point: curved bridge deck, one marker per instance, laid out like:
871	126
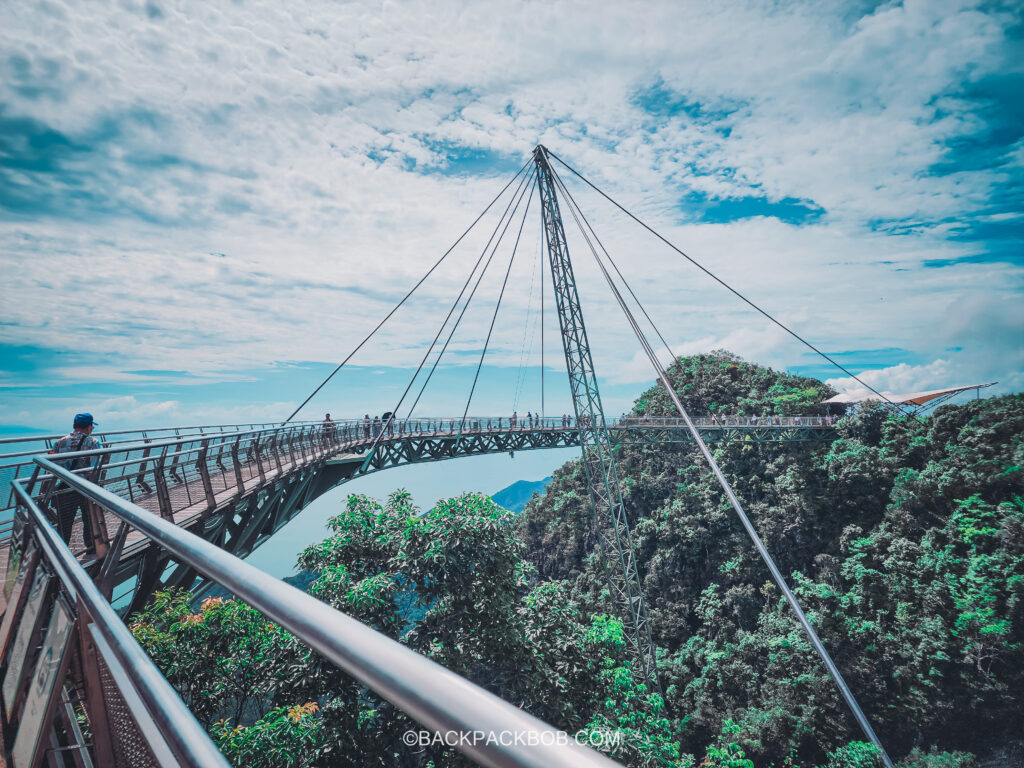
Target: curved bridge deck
236	488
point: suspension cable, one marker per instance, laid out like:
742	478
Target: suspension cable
724	284
541	266
526	347
520	191
494	317
410	293
639	304
777	576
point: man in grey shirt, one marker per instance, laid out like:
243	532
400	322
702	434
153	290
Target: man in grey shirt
68	501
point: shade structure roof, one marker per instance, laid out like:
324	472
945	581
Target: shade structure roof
908	398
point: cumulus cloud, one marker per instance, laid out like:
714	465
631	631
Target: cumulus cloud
899	379
211	187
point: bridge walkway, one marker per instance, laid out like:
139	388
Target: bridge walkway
236	489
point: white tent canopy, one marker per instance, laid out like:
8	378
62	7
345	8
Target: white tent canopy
908	398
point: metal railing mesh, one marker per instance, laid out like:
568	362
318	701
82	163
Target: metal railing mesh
126	739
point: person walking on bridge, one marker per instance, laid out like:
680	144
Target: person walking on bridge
68	501
328	430
366	426
513	419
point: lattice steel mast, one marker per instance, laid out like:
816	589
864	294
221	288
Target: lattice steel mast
613	532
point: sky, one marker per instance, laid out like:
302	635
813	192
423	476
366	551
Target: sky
204	207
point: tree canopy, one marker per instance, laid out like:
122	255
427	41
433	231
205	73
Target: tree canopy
903	538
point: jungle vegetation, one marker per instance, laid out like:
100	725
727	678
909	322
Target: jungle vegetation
903	539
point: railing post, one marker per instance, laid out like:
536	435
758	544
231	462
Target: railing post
291	447
96	519
239	482
219	461
140	477
204	474
275	452
162	496
173	469
259	461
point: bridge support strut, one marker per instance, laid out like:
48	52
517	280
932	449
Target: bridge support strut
613	534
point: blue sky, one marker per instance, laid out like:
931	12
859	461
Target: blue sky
203	207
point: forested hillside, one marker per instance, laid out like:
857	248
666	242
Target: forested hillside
905	539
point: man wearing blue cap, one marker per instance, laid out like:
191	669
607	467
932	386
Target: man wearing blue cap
69	501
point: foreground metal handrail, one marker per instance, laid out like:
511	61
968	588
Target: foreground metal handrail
439	699
185	737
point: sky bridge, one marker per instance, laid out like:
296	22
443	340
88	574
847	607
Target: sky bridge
174	508
237	487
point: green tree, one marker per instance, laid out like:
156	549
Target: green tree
452	585
902	537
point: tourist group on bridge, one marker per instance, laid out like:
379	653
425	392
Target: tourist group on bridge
386	425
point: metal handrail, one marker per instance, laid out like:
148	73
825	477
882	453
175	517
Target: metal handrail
434	696
354	435
128	446
185	737
181	431
200	427
443	425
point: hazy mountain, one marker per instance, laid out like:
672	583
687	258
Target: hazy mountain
514	497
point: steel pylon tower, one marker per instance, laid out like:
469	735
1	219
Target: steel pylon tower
613	534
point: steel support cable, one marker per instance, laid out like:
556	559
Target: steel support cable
724	284
777	576
639	304
598	452
529	336
524	353
410	293
520	192
517	195
494	317
444	324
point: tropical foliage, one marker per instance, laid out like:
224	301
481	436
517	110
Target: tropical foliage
902	537
452	585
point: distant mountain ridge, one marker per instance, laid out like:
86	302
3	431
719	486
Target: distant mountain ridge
514	497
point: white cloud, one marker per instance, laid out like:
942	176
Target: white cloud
248	131
900	379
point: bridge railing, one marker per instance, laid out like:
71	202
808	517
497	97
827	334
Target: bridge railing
197	468
116	676
65	654
190	475
134	455
194	472
718	422
17	464
114	437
